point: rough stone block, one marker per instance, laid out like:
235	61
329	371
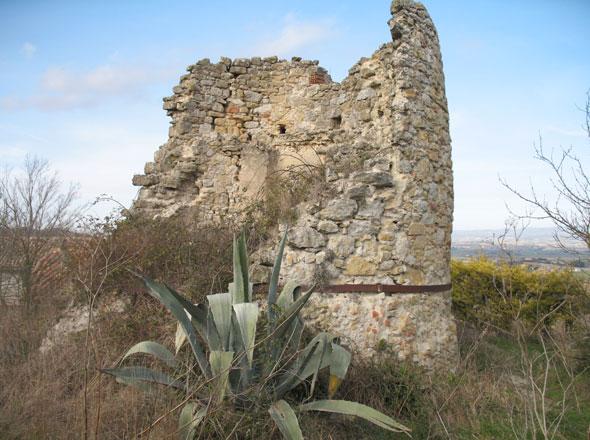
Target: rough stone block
358	192
327	227
149	168
360	266
339	209
372	209
170	182
359	228
416	229
379	179
145	180
305	237
365	94
252	96
341	245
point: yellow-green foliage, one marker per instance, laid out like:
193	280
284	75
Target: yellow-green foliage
485	291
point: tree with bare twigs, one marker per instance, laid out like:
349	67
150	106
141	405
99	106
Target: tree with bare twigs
35	210
569	209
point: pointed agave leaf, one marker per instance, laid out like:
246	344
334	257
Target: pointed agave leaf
339	362
309	362
274	282
179	338
177	307
295	333
212	334
286	420
333	385
294	376
231	288
241	374
243	253
154	349
221	362
246	317
198	312
189	420
238	284
143	386
200	317
319	360
282	302
356	409
204	327
291	313
287	345
241	285
142	374
284	325
288	295
220	305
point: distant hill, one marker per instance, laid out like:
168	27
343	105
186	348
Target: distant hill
534	244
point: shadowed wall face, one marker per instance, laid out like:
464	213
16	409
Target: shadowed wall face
379	142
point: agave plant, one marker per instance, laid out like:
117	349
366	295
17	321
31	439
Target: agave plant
234	367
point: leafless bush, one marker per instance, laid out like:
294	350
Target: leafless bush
34	211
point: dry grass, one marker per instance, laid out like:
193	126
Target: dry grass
41	395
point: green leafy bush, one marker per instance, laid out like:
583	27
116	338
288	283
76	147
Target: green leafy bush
499	293
234	365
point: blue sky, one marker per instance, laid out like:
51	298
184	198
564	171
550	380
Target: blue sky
81	83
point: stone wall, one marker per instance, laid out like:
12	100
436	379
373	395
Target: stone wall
379	141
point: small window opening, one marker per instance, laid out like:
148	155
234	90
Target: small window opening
396	33
282	129
380	113
336	121
249	137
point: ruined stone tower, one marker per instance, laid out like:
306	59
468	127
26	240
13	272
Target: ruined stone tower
378	230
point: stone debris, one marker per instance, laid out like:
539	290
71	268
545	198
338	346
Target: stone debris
75	320
380	141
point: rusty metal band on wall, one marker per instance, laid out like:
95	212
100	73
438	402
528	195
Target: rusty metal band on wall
373	288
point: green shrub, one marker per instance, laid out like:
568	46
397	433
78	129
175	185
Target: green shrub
499	293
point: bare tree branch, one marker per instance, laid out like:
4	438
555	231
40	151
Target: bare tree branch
570	211
34	211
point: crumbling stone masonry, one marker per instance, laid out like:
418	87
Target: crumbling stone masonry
380	140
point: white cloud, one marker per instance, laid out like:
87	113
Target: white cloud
296	34
116	150
100	155
102	79
28	49
10	103
63	89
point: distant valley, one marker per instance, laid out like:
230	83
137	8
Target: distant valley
534	246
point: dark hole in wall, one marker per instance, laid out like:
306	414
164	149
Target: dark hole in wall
380	113
249	137
396	32
282	129
336	121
